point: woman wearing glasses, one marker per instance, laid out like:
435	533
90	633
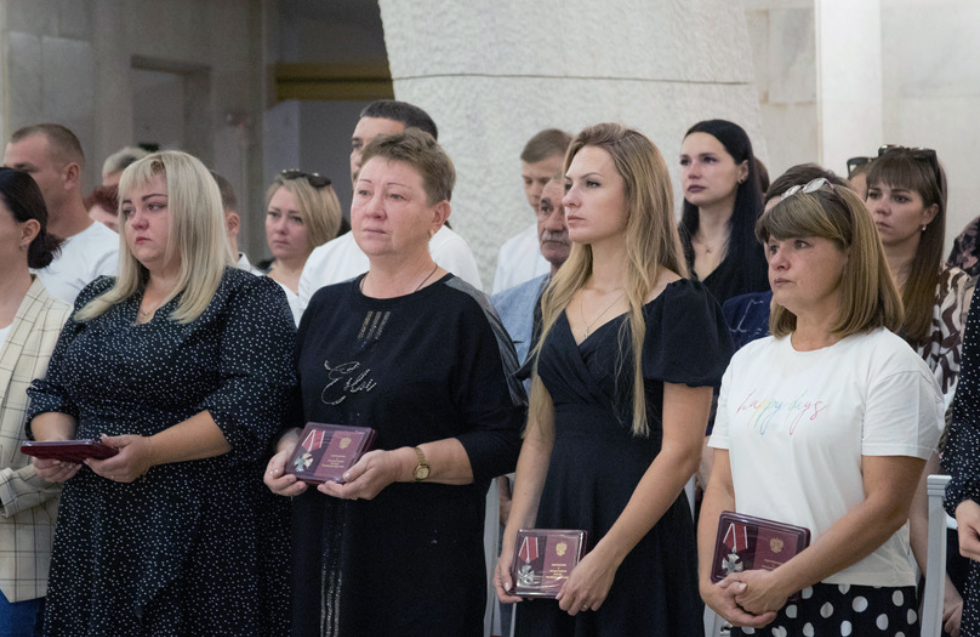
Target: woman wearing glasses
722	200
303	212
825	425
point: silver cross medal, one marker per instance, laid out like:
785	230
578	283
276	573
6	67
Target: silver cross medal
732	564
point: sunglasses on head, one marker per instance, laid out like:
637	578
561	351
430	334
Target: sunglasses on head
918	154
314	179
857	162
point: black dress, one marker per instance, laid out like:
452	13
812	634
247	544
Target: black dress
431	365
190	548
734	276
596	462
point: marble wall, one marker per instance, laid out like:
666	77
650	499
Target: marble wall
72	61
493	74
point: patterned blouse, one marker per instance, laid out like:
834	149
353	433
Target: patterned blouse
964	252
943	349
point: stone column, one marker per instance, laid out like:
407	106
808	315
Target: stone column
849	80
492	75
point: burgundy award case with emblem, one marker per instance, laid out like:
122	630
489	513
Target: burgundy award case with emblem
747	542
325	452
68	450
544	558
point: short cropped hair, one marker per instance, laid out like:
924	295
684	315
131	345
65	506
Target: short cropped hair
869	297
121	159
799	175
408	114
21	195
423	153
63	144
550	141
228	199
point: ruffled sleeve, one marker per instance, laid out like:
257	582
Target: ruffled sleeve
687	339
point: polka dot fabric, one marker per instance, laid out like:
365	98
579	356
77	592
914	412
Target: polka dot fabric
840	610
190	548
961	456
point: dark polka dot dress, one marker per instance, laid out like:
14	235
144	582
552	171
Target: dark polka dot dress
961	456
190	548
841	610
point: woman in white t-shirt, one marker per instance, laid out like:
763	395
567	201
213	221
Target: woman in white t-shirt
302	213
826	425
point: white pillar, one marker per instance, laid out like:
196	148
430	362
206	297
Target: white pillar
493	74
849	80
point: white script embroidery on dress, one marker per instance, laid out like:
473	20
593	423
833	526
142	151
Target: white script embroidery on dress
343	381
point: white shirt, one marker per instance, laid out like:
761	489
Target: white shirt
797	424
519	260
3	335
91	253
341	259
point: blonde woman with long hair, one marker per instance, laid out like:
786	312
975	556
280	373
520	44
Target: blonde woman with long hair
184	364
629	352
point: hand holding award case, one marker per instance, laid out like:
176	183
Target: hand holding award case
544	558
68	450
747	542
326	452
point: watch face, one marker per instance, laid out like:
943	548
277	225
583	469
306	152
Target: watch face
421	473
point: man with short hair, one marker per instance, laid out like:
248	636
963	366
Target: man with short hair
53	156
233	222
341	259
519	259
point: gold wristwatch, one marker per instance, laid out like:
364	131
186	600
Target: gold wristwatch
422	468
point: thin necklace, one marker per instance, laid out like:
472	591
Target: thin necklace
707	246
434	268
588	325
419	287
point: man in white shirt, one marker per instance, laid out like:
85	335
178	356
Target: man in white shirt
340	259
53	156
520	258
233	222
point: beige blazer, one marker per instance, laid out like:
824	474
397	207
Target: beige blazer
28	504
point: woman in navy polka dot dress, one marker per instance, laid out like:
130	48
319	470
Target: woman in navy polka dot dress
826	424
184	364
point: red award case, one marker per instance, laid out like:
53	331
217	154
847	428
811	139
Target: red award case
746	543
544	558
325	452
68	450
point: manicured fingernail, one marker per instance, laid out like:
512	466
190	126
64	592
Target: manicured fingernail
507	586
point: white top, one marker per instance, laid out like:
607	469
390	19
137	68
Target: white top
3	335
294	304
796	425
84	257
519	260
341	259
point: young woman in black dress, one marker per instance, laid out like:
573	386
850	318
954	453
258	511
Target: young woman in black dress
722	200
629	351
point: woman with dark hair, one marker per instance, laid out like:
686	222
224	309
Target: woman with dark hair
907	200
722	200
30	322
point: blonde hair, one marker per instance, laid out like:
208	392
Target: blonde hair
197	235
868	295
318	207
652	244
